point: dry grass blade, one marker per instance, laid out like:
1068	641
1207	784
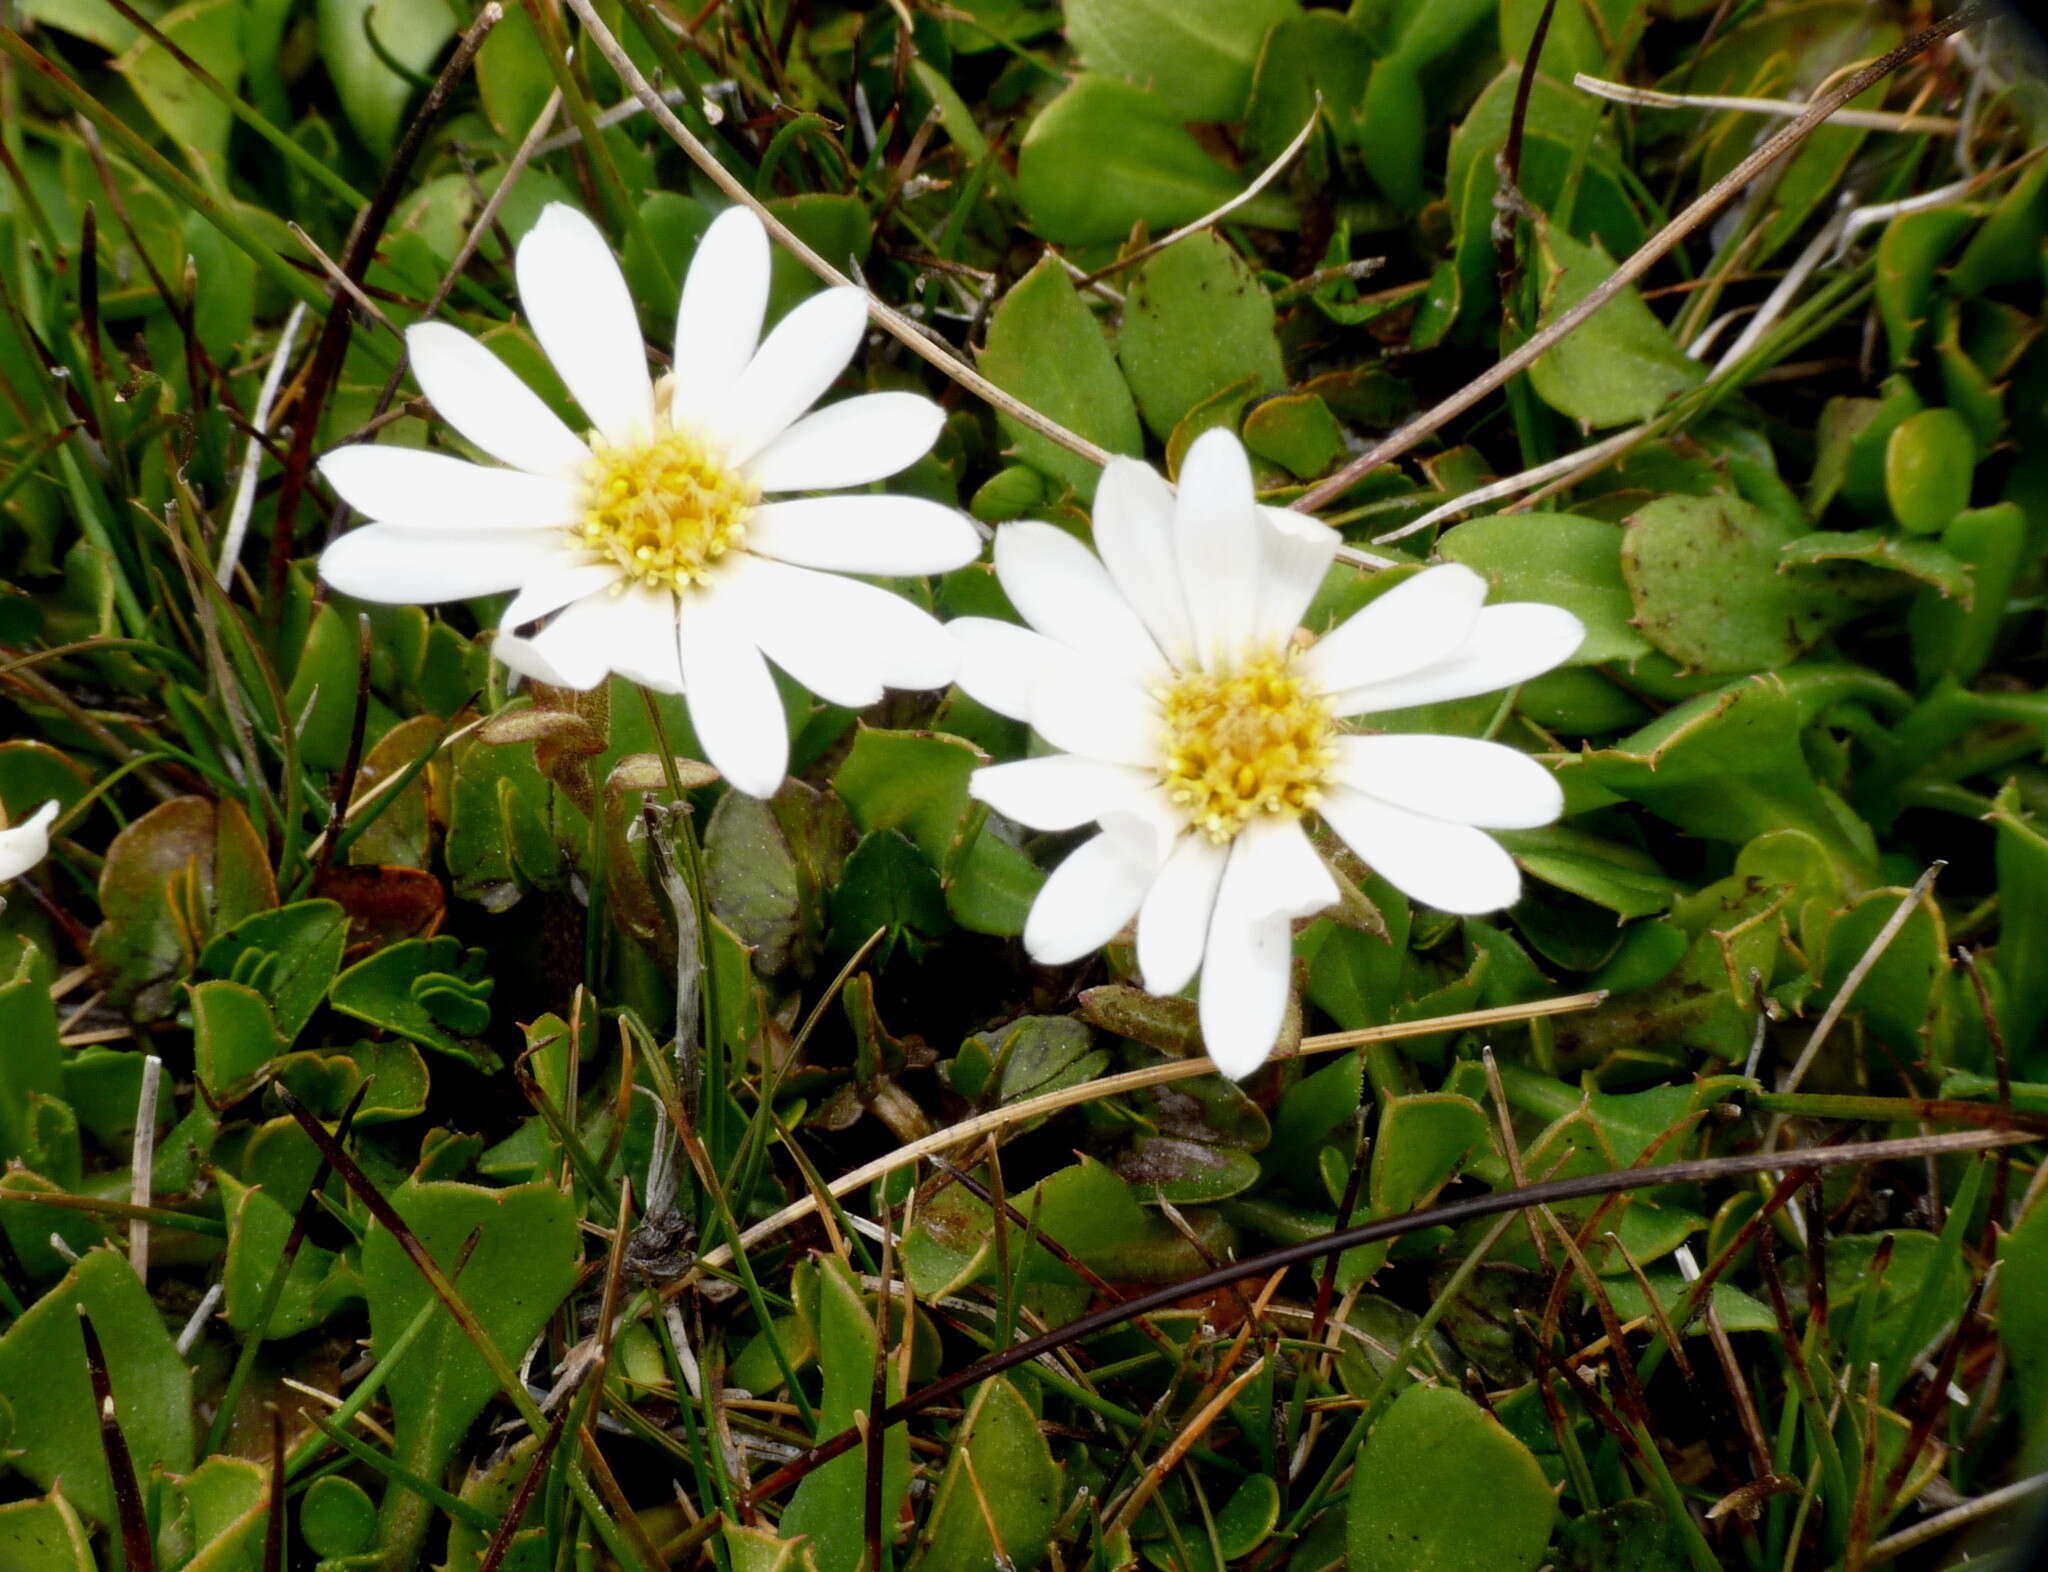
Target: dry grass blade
1112	1086
1954	1518
1864	119
1177	1448
1703	207
1265	178
529	1483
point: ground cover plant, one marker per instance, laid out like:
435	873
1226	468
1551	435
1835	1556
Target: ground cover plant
1307	829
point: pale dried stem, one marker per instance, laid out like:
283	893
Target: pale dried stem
1703	207
143	1162
1215	215
1956	1517
974	1129
244	504
1864	119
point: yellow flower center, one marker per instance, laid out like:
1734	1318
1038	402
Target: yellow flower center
665	511
1253	739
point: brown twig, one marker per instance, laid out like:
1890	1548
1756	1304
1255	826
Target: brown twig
135	1542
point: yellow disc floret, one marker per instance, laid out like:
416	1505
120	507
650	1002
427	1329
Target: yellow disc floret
1256	738
665	511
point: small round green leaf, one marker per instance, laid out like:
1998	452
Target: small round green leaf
1928	463
1441	1487
337	1517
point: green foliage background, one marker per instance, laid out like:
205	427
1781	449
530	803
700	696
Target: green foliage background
1809	553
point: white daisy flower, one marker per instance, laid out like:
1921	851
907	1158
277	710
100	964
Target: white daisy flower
652	543
26	844
1199	731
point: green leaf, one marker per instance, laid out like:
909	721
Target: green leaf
289	955
1104	155
423	989
258	1227
2022	862
1560	558
512	75
184	871
373	95
828	1506
1620	364
232	1036
1730	765
768	867
1929	461
33	1063
337	1517
523	1264
1000	1493
1450	1491
1908	252
219	1510
1712	589
1196	321
1197	55
45	1536
43	1376
887	885
1419	1143
197	122
1045	347
1918	559
1297	432
1319	54
2023	1320
913	781
1953	633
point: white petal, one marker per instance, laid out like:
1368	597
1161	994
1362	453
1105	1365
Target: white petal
1275	872
812	647
573	651
1217	530
1058	792
1134	534
889	536
733	701
850	443
1507	645
1419	621
477	393
1453	867
1273	877
24	845
718	319
548	592
1461	779
999	662
1173	924
412	487
1062	589
396	566
576	301
1298	552
1087	900
791	609
801	358
642	638
1095	713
